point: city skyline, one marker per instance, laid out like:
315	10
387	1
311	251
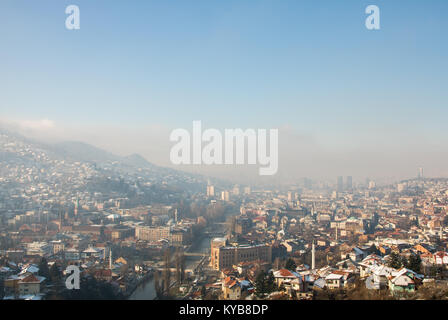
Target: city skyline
347	100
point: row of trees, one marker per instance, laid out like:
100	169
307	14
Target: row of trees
396	261
162	282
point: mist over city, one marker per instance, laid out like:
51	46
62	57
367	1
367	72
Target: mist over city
234	152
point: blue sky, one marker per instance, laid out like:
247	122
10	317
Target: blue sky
308	65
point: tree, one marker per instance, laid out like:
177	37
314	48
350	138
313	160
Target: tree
203	291
43	268
2	289
55	274
394	261
374	250
92	289
264	284
404	262
166	282
180	266
270	283
157	286
260	286
415	263
291	265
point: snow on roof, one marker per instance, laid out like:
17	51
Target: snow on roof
334	276
29	268
284	273
382	270
320	283
5	269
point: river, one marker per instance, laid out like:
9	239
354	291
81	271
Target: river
147	291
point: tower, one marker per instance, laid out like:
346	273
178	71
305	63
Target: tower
349	182
420	173
210	191
76	205
340	184
313	256
110	259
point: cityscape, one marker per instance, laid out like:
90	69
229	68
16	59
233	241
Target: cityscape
137	231
249	151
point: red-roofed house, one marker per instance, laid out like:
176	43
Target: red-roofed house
231	289
30	284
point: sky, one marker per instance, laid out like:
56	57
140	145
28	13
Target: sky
347	100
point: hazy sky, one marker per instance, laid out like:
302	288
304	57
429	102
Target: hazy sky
348	101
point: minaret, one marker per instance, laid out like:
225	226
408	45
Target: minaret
336	232
60	219
76	206
313	257
110	259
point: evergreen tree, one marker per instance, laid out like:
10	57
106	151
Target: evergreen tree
270	283
260	286
415	263
55	274
394	261
43	268
2	289
374	250
291	265
203	292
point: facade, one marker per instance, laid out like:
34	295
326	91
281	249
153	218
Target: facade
286	277
175	236
30	285
231	289
58	246
441	258
152	233
72	254
338	279
404	280
223	256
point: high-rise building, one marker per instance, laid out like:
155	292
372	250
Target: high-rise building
225	196
349	183
210	191
247	190
340	184
420	173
